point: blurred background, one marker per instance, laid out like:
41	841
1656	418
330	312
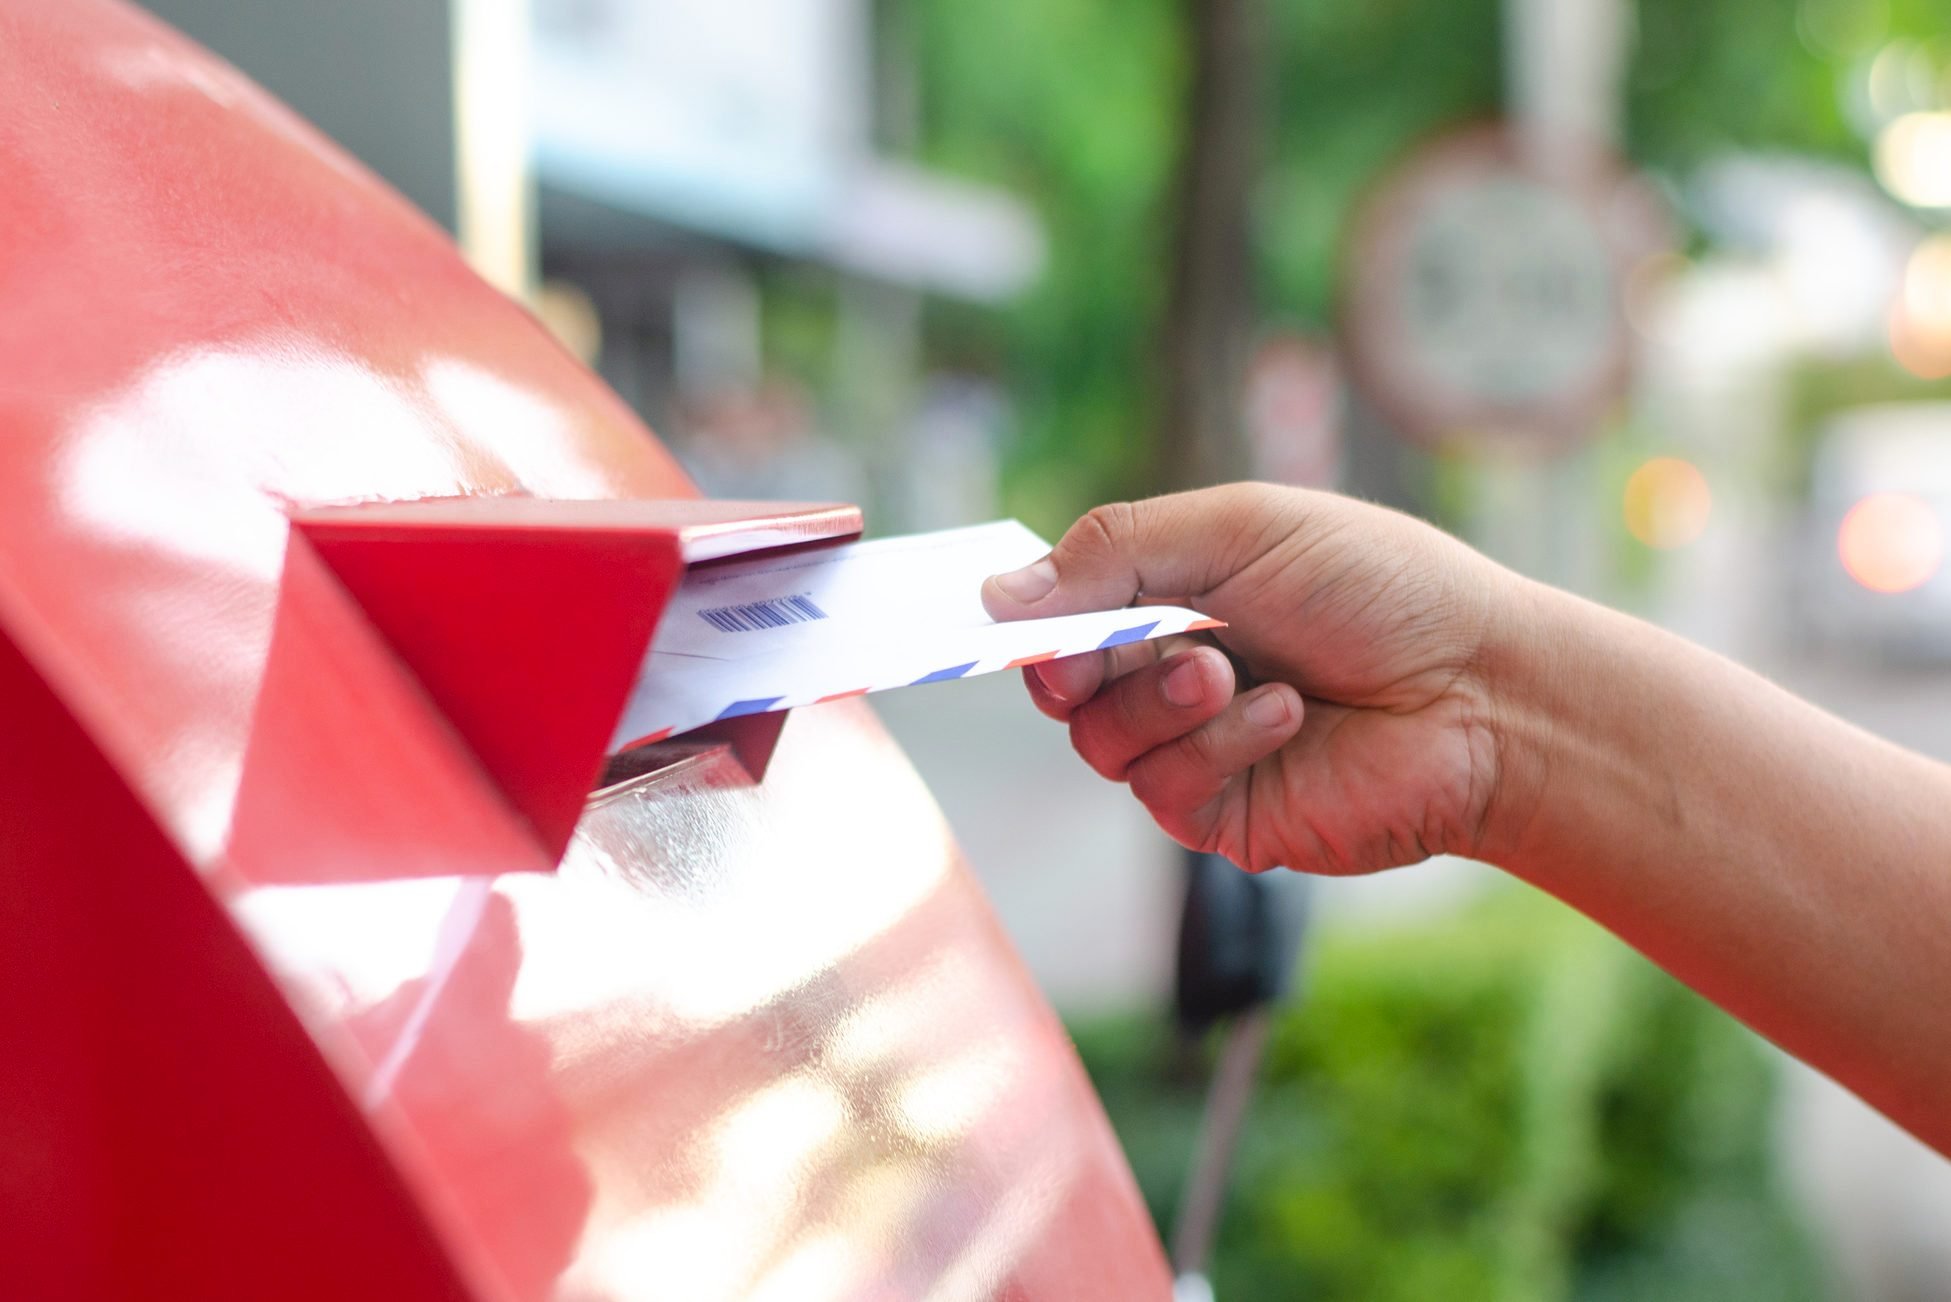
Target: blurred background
1647	298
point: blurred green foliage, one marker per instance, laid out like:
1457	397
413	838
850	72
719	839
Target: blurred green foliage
1505	1104
1075	104
1758	74
1709	78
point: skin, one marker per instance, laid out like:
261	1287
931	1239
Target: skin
1382	693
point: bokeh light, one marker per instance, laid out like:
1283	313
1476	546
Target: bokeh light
1913	159
1902	79
1920	319
1891	542
1927	284
1667	503
1841	29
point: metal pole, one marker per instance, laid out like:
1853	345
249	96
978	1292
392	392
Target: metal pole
1212	1157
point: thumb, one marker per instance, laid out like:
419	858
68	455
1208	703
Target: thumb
1180	546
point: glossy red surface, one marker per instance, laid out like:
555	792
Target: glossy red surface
297	1003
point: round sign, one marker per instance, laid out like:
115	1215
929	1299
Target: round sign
1484	298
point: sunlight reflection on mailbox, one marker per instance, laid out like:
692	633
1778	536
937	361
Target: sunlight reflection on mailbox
946	1101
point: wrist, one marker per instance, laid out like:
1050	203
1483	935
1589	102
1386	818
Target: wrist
1530	644
1581	737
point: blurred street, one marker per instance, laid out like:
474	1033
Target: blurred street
1910	705
1085	885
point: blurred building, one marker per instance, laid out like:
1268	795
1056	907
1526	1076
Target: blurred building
637	168
378	76
681	145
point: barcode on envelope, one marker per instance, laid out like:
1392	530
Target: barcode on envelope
777	612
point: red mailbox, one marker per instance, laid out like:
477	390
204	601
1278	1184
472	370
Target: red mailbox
323	572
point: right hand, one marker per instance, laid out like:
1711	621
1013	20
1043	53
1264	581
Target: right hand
1371	738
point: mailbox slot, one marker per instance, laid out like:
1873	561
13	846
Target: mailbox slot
526	621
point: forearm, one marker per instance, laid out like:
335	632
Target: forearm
1792	868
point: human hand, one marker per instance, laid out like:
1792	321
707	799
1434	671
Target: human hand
1411	697
1366	735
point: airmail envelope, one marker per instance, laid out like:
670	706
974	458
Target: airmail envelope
820	623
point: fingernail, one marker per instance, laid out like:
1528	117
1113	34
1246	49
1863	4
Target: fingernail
1267	710
1183	684
1069	679
1031	583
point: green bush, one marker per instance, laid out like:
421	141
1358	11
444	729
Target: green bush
1505	1104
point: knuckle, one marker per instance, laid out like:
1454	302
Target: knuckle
1176	774
1200	750
1187	830
1251	499
1245	492
1153	787
1256	859
1194	824
1087	738
1133	703
1118	725
1107	528
1164	782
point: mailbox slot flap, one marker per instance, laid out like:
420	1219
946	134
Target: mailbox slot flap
526	620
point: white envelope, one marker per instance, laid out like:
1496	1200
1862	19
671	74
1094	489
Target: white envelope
820	623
